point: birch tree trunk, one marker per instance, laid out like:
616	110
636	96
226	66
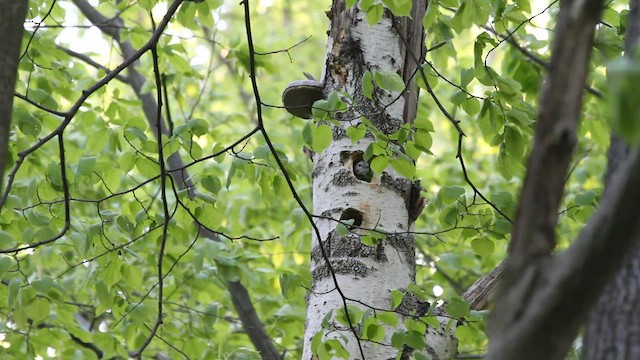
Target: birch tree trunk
346	272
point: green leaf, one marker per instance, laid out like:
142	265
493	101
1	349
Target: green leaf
54	174
458	97
147	167
322	137
212	184
198	127
289	283
134	132
471	106
367	85
316	342
147	4
374	14
399	7
114	273
342	229
369	240
43	98
38	309
108	215
374	332
355	315
14	290
415	340
43	284
321	110
307	133
457	307
356	133
431	321
336	349
423	141
430	15
127	161
5	264
422	123
5	240
379	164
404	166
466	75
350	3
416	325
482	246
86	165
514	141
388	318
28	124
623	77
389	80
585	198
398	339
449	194
37	218
507	165
396	296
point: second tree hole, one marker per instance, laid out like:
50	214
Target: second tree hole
352	214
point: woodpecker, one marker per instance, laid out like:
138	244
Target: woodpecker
362	171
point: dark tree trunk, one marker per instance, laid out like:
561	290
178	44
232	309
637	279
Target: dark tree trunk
613	327
11	27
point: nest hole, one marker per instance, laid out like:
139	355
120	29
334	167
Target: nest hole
352	214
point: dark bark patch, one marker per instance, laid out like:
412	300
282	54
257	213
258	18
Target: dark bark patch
398	185
349	247
403	244
412	305
343	178
342	266
339	133
317	170
338	246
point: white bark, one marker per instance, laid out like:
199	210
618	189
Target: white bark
365	275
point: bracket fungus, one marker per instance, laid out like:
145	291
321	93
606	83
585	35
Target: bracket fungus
298	97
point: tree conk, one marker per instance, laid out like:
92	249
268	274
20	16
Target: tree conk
298	97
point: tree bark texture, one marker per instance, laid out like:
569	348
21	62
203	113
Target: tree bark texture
613	327
11	27
345	271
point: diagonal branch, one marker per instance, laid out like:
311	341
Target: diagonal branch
90	61
539	306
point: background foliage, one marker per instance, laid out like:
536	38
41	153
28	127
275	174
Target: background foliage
96	285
